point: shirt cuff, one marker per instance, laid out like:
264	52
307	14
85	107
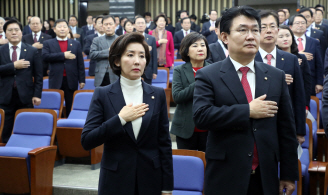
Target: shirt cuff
123	122
166	192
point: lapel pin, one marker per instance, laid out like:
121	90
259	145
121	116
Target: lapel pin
265	78
42	37
152	97
314	31
71	44
147	38
24	49
282	59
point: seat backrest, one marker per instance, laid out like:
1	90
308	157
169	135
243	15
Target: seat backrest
178	63
308	138
89	83
86	64
81	103
86	72
45	83
162	79
33	128
188	173
319	95
52	99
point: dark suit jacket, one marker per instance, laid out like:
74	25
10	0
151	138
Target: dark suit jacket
210	35
326	63
318	34
87	43
183	85
27	89
289	64
217	53
90	32
57	63
119	31
29	39
220	106
152	26
307	79
152	66
324	29
178	26
86	29
27	30
127	160
324	109
80	31
178	36
170	28
313	46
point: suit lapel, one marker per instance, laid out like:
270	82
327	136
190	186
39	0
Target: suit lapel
220	50
187	69
262	80
6	53
23	51
307	44
280	62
117	99
41	38
56	44
69	44
231	79
258	57
148	98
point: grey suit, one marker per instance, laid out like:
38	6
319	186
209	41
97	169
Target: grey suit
99	51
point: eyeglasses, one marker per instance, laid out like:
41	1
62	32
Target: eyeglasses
245	31
13	29
271	27
299	23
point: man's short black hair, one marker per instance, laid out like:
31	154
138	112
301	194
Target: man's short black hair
193	16
121	19
230	14
267	13
116	16
185	18
291	20
217	22
99	17
161	15
286	9
60	20
108	16
12	21
184	11
319	5
146	14
51	19
139	16
281	10
306	9
73	16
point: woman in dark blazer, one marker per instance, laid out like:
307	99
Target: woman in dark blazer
193	50
130	118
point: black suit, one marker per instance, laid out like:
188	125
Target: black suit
127	163
210	35
178	26
152	66
307	79
90	32
151	27
86	29
27	30
12	99
178	36
119	31
324	29
324	109
87	43
220	106
80	31
170	28
319	35
217	53
29	39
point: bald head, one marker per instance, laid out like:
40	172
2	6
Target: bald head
35	24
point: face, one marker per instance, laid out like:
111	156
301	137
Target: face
282	17
117	20
183	14
168	20
133	61
109	26
299	26
198	51
94	22
284	39
213	16
321	9
72	21
99	26
244	37
218	32
148	18
308	17
61	30
314	14
35	24
269	30
318	17
161	23
45	24
2	22
14	33
122	22
89	19
140	25
193	20
287	12
28	19
52	23
186	24
129	27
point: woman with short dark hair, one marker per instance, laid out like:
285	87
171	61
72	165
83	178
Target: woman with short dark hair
194	51
130	118
128	26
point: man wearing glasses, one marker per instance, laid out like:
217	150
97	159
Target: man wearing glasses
246	107
270	54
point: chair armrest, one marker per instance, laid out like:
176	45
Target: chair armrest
2	144
313	166
39	150
321	132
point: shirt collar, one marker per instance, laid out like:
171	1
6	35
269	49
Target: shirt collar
222	45
60	39
184	32
99	35
303	37
37	34
313	25
264	53
73	27
19	45
309	29
237	65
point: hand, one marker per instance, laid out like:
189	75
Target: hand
289	79
161	41
318	88
131	113
69	55
289	185
300	139
3	41
262	109
20	64
76	36
299	61
82	85
150	48
154	76
212	28
36	101
38	45
309	56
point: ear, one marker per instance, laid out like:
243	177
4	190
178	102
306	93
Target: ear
117	63
224	37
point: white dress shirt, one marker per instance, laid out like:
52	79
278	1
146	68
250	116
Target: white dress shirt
38	34
264	54
222	45
303	40
73	30
90	27
148	24
60	39
250	73
18	50
3	35
212	23
184	32
308	31
99	35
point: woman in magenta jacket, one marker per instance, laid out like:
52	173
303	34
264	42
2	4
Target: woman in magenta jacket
164	42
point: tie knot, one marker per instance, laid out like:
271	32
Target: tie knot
269	57
244	70
299	39
14	47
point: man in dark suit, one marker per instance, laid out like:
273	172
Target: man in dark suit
321	7
193	19
270	54
168	26
78	33
89	25
36	38
217	49
237	101
66	63
310	47
208	29
151	70
150	25
319	19
3	39
88	41
27	29
120	30
20	63
178	36
183	14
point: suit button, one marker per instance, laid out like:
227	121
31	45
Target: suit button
250	154
254	129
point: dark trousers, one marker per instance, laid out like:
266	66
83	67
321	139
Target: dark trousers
196	142
106	80
10	110
255	184
68	95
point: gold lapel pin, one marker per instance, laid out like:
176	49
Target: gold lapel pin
314	31
282	59
152	97
42	37
24	49
265	78
147	38
71	44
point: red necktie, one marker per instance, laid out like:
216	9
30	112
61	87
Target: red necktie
186	33
35	40
0	36
269	57
14	59
300	44
248	93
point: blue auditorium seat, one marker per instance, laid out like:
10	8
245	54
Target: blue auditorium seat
161	79
45	83
86	72
89	83
87	65
2	121
52	99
